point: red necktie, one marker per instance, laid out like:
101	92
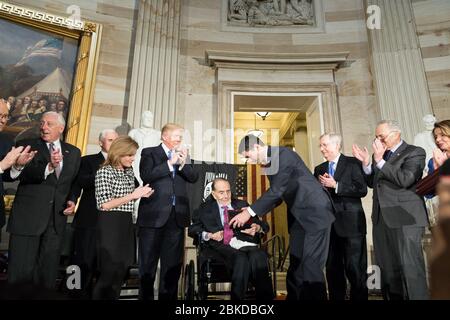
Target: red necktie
227	231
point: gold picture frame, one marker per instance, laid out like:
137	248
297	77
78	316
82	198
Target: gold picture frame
88	35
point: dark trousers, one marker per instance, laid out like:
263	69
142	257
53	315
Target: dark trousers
347	257
247	263
399	255
167	245
305	278
116	247
35	259
84	255
2	214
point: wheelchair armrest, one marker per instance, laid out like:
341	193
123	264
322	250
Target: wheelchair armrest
198	239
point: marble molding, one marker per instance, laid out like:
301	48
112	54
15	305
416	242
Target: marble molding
258	72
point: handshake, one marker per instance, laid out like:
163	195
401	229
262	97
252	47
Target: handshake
232	214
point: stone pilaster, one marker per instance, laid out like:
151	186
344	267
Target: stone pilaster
155	62
397	66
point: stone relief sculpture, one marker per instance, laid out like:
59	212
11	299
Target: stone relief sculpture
270	12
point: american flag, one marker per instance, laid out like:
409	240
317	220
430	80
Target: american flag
250	185
44	48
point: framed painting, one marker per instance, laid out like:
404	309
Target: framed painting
47	63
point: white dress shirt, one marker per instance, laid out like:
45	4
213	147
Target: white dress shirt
335	161
166	150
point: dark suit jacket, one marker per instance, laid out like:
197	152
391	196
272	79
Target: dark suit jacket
290	180
5	146
154	170
394	189
38	198
87	213
350	217
207	218
440	264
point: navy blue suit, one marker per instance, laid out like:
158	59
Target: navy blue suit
310	216
161	224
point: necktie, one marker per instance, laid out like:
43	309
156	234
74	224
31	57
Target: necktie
331	169
387	154
51	148
227	231
169	155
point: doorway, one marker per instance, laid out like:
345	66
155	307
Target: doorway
292	120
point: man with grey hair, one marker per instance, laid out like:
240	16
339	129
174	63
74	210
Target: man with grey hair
347	257
41	205
84	252
398	214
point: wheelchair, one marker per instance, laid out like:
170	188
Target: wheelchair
211	271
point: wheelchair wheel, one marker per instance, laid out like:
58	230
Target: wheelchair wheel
189	283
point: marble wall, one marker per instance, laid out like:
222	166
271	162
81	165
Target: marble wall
432	19
201	30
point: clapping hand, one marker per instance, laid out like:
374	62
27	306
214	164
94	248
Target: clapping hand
378	150
439	158
19	156
142	192
10	159
361	154
25	156
55	158
327	181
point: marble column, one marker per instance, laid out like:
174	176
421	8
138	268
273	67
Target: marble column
397	67
155	62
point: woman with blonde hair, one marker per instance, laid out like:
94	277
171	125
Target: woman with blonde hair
116	192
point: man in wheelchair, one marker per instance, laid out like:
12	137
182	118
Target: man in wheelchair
237	249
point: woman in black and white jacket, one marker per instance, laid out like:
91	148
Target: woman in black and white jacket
116	192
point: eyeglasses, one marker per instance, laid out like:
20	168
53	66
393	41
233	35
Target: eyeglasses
381	137
5	116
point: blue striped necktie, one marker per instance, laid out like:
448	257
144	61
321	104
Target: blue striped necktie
331	169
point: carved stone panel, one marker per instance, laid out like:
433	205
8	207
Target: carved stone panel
272	15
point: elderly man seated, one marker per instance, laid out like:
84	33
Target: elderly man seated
237	249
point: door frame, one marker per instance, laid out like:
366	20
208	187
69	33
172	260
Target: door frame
318	98
226	90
